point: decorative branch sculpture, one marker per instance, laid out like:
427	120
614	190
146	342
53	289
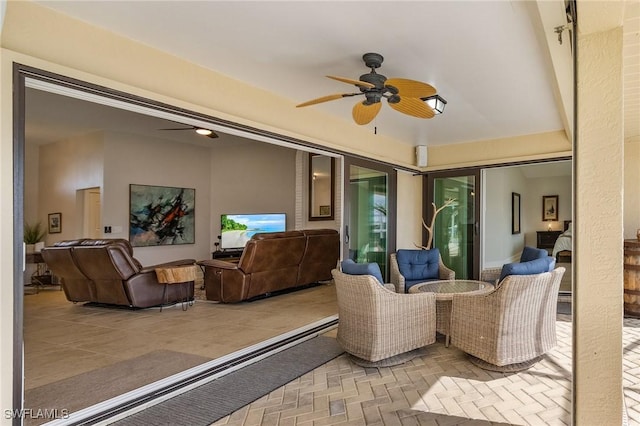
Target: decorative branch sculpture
433	221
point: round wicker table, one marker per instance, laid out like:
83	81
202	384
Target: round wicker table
444	291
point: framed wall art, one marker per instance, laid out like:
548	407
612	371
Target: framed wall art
515	213
549	207
161	215
55	223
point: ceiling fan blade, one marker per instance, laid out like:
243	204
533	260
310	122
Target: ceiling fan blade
414	107
411	88
326	98
179	128
364	113
352	81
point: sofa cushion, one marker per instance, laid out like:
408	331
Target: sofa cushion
532	253
418	264
352	268
532	267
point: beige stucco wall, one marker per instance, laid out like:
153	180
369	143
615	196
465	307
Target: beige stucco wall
409	212
519	148
597	363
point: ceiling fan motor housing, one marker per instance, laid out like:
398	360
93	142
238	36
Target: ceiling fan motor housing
372	60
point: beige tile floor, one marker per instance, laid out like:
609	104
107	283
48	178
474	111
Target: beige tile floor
63	339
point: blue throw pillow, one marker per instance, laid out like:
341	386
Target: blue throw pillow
532	253
350	267
418	264
552	263
531	267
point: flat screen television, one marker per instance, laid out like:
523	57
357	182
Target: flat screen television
237	229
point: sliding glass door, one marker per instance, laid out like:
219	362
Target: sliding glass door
456	231
369	234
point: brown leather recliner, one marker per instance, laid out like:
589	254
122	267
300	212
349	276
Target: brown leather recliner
320	255
59	259
272	262
112	274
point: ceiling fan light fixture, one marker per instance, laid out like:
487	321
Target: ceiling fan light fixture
436	102
203	132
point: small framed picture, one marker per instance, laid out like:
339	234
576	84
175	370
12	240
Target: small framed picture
325	210
550	207
55	223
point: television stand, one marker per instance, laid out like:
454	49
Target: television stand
226	254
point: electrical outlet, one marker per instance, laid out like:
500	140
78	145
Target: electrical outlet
107	229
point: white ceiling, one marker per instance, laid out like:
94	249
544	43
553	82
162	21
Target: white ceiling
486	58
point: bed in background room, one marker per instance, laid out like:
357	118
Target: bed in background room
562	247
562	252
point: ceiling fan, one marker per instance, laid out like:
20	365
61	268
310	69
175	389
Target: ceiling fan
402	94
199	130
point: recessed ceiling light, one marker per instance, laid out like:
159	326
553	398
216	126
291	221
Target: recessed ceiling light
203	132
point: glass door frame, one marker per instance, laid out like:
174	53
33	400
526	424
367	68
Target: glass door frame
427	208
392	201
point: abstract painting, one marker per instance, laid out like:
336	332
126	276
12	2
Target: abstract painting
161	215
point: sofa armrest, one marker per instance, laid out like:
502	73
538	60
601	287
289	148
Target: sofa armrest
181	262
217	263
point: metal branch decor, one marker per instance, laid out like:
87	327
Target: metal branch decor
161	215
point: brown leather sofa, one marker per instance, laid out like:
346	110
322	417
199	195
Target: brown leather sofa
105	271
272	262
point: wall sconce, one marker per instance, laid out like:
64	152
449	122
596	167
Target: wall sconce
436	102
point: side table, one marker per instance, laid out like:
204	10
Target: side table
444	291
180	275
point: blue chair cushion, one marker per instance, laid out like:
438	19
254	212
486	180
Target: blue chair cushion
350	267
532	253
552	263
537	266
418	264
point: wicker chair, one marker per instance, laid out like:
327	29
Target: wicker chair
491	275
510	328
398	279
377	325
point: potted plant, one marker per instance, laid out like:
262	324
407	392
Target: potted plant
33	234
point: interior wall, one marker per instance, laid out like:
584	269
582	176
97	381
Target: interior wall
65	167
251	177
31	169
500	245
536	189
631	193
134	159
